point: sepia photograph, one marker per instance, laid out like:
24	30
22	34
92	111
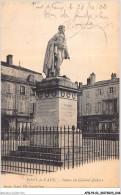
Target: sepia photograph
60	94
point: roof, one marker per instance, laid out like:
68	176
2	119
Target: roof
99	83
19	68
16	79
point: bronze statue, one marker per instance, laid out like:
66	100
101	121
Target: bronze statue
55	53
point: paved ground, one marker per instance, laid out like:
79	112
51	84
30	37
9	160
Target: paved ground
97	174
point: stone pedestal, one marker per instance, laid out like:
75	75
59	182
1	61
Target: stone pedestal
56	103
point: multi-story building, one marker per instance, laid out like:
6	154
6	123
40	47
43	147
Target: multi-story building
98	105
17	95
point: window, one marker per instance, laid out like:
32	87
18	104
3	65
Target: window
115	106
111	89
111	105
87	108
99	107
99	92
31	78
9	104
87	93
22	90
22	106
96	107
27	90
9	88
104	107
32	92
31	108
18	89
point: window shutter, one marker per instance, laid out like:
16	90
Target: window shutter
114	89
83	109
8	86
96	92
117	105
18	105
7	103
102	91
27	90
22	106
87	108
101	107
90	108
110	107
34	107
11	88
108	90
10	104
31	108
104	107
18	89
96	107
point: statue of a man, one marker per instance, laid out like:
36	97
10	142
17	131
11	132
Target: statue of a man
55	53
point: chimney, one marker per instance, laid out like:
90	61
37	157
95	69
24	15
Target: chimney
76	83
10	60
88	81
80	85
113	76
92	78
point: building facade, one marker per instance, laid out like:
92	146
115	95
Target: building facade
17	95
98	105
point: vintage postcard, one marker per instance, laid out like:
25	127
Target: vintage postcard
60	94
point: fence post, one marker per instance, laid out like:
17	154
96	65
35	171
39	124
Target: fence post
73	128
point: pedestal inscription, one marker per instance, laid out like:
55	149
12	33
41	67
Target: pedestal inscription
67	112
47	112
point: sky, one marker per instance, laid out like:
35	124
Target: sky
92	34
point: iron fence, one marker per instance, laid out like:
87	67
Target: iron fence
48	149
